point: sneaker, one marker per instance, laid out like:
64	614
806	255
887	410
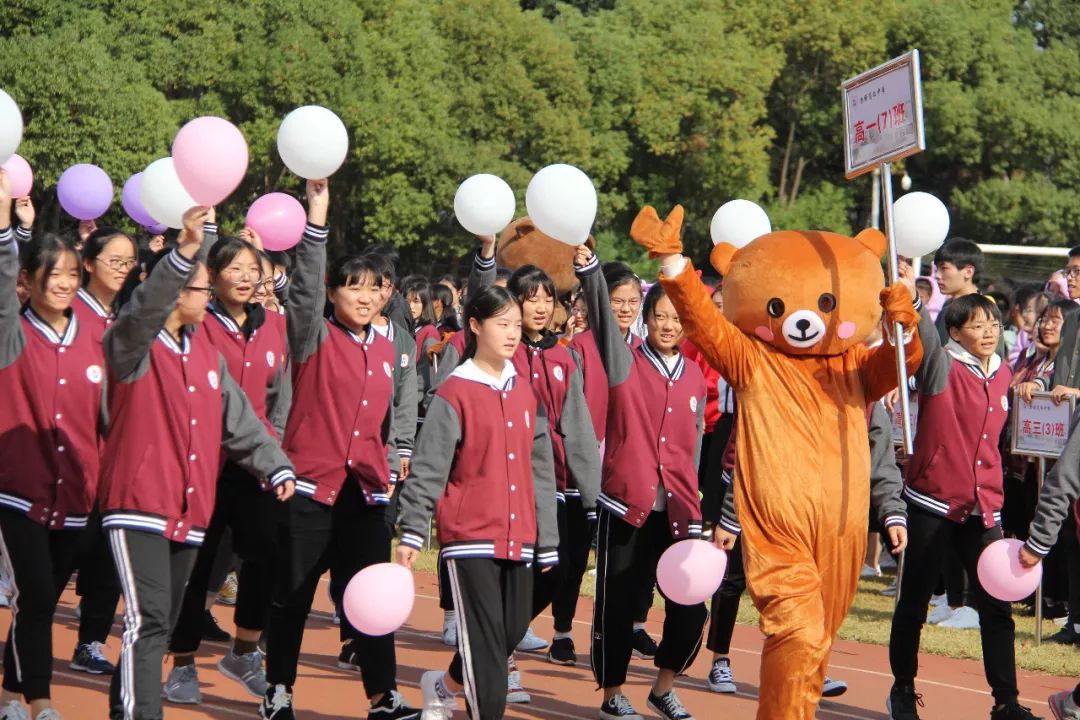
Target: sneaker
721	679
348	659
869	572
337	619
393	707
439	703
48	714
887	561
211	631
227	594
939	600
449	629
833	688
246	669
14	710
1062	706
1066	636
669	707
643	644
515	693
562	651
619	708
889	591
88	658
940	614
904	703
277	704
182	686
965	618
1013	711
531	642
78	610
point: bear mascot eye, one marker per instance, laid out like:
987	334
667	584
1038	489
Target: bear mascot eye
775	307
826	303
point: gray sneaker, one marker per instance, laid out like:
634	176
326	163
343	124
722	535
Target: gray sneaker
14	710
182	686
48	714
247	670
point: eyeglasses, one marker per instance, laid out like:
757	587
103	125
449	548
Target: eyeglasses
1071	272
238	275
196	288
620	303
981	328
117	263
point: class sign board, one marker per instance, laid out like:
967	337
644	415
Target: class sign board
1041	427
898	423
883	115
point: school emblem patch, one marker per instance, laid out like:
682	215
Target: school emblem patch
404	360
1005	403
270	358
213	378
93	374
386	368
693	403
558	373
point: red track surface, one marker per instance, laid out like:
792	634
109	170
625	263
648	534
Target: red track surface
953	689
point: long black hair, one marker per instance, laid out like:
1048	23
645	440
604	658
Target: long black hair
225	250
449	320
95	245
44	253
418	286
482	305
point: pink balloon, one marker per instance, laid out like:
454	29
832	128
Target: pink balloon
379	598
20	175
211	157
279	219
1002	575
690	571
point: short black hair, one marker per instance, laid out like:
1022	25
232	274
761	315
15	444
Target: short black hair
44	254
503	274
1074	252
961	252
484	304
651	298
617	274
527	281
960	311
351	269
387	272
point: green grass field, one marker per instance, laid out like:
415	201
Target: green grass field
871	616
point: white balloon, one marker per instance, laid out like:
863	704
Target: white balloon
163	195
11	127
920	224
561	202
484	204
312	142
738	222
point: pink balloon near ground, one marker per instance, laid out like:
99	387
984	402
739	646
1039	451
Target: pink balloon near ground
19	175
379	598
690	571
211	157
132	202
279	219
85	191
1002	575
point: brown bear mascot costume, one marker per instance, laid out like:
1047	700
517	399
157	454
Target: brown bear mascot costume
797	307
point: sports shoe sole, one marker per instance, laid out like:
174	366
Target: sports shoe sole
556	661
649	704
174	701
835	692
233	676
609	716
86	669
888	706
643	656
518	697
724	688
348	666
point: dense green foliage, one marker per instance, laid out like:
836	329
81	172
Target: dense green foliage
659	101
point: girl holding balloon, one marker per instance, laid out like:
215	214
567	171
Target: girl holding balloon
51	372
485	437
655	419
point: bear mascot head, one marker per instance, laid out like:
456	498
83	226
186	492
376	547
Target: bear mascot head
522	243
804	292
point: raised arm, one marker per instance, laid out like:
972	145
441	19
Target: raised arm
879	370
12	339
307	292
543	468
482	274
614	351
129	338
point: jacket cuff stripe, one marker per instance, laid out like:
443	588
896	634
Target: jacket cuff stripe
412	540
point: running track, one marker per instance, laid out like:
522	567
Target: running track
952	689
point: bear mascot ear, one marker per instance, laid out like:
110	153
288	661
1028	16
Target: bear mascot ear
874	241
521	243
721	257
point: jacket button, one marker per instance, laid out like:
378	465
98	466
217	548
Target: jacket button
978	462
512	516
59	481
61	350
513	488
180	524
505	396
349	463
63	381
511	456
368	372
192	458
663	439
59	448
669	409
511	543
356	433
509	424
194	421
536	375
190	490
58	416
247	364
364	403
191	388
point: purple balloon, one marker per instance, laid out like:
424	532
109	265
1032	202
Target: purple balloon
133	206
85	191
157	229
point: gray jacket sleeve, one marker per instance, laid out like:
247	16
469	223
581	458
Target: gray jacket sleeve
729	520
210	236
579	440
1061	488
932	377
279	398
886	483
614	352
481	275
131	336
543	468
405	408
1067	354
12	339
445	366
23	235
244	437
307	294
430	471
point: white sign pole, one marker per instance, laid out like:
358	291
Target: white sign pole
1040	474
898	329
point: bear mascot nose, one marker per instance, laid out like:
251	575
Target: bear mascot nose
803	325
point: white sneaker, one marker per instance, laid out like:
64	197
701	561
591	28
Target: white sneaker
721	679
14	710
889	591
964	618
531	642
48	714
449	629
439	704
939	614
869	572
515	693
939	600
833	688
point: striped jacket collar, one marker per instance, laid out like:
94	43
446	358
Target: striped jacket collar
389	334
170	342
469	371
93	303
972	363
256	316
47	330
657	360
366	340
